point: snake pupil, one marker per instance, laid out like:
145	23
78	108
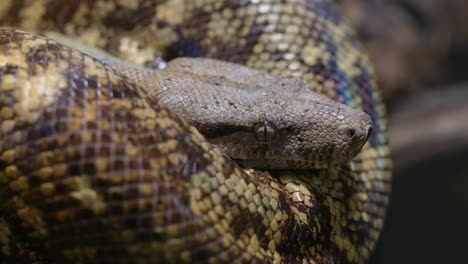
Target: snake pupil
265	131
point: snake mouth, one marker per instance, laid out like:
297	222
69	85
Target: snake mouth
283	163
309	160
294	160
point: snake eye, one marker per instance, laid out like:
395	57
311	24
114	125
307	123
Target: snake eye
265	131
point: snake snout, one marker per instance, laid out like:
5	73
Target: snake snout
357	138
362	134
357	132
369	129
367	125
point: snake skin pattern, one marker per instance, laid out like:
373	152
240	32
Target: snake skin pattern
88	186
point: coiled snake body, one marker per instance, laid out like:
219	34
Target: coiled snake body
94	170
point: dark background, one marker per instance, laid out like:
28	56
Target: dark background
420	51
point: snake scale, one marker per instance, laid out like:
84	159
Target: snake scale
92	170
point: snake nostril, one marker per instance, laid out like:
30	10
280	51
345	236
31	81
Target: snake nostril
350	132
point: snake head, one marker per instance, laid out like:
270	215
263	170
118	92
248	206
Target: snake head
290	130
262	121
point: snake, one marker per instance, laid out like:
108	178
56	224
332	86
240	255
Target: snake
263	139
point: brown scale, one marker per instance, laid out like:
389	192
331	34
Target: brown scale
298	39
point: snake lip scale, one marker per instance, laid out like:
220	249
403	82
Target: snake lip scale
120	160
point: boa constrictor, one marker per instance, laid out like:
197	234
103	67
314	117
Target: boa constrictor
94	170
